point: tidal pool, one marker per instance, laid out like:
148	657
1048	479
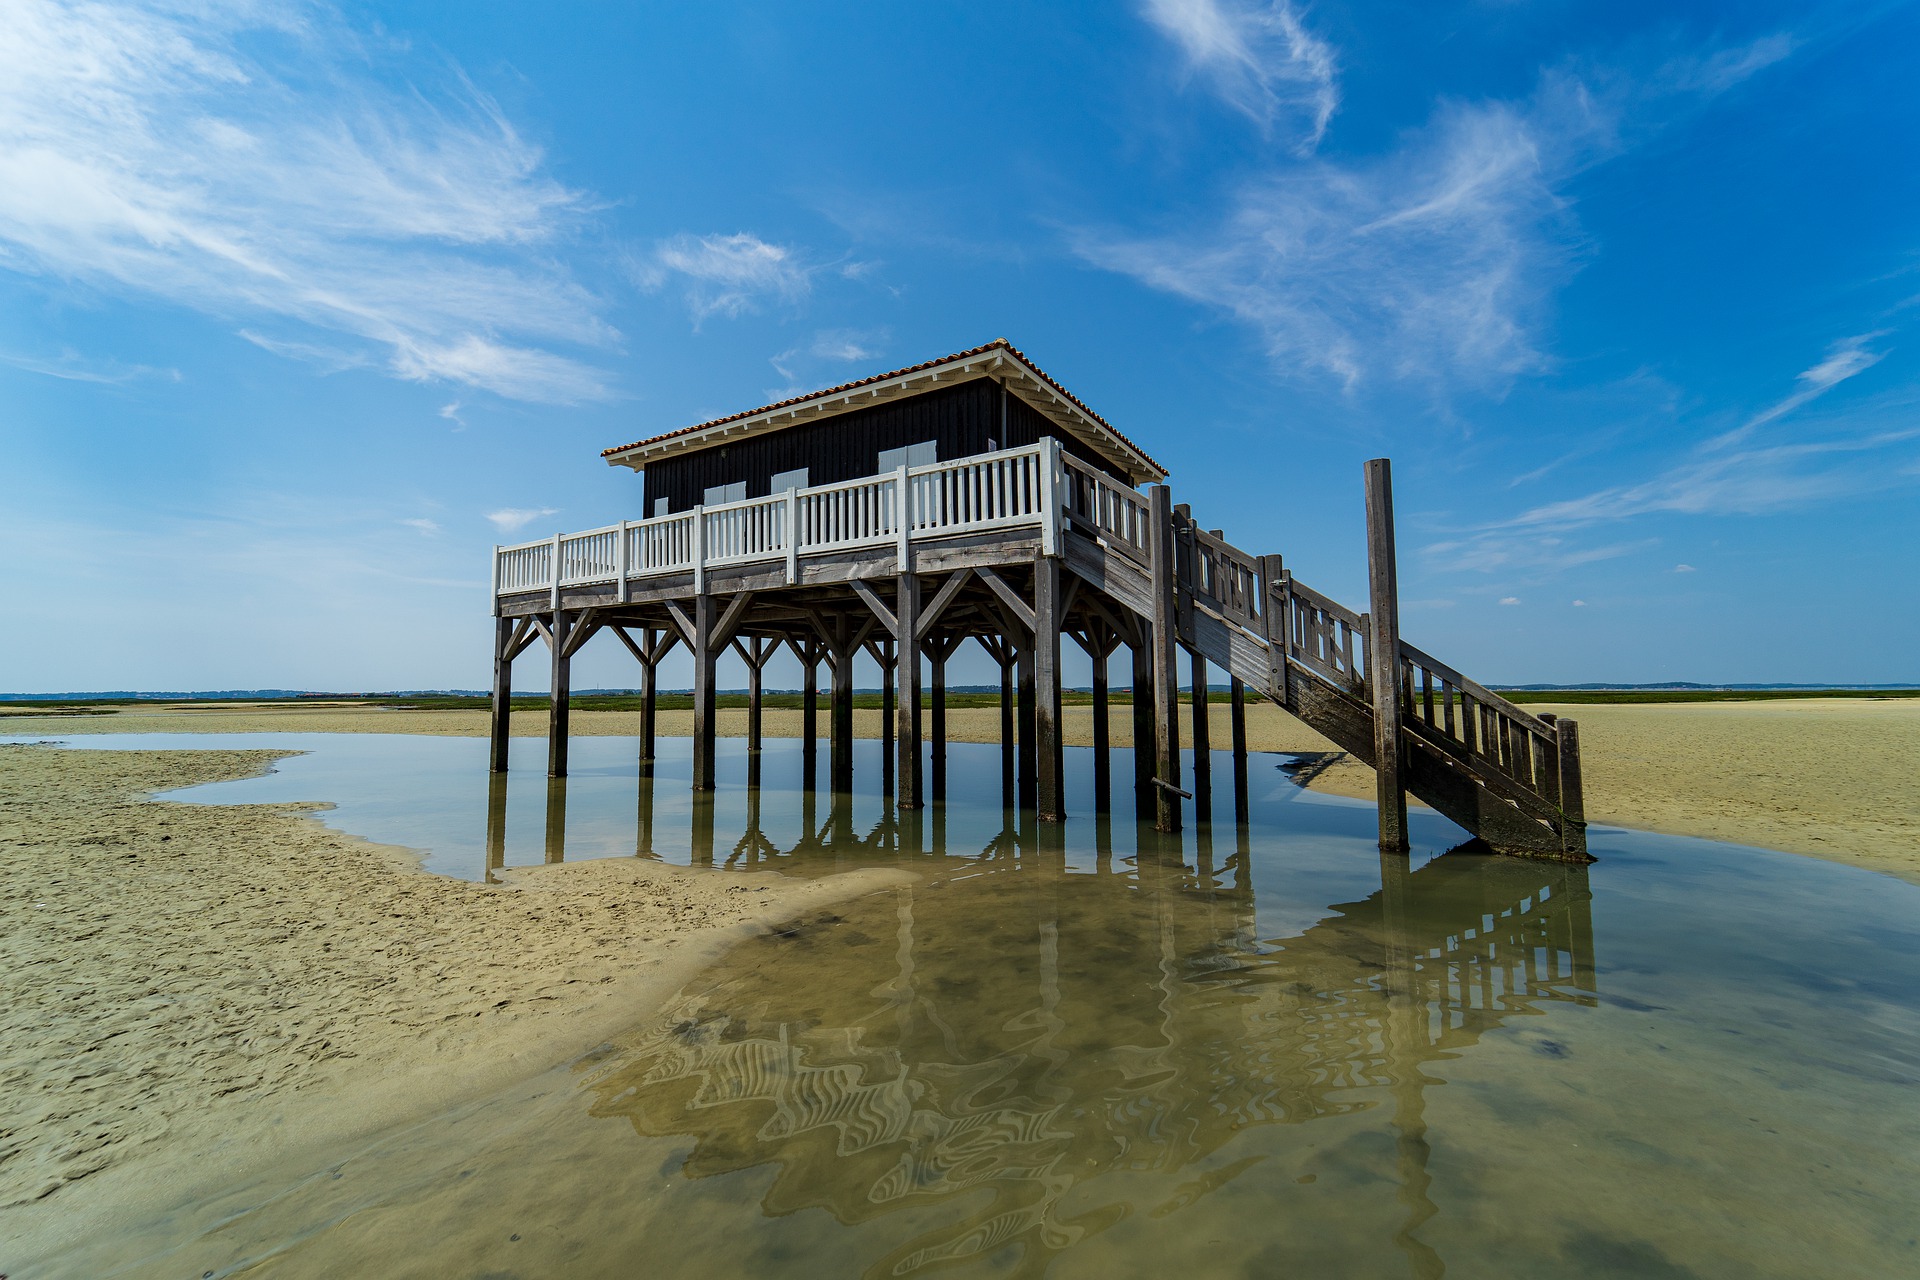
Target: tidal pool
1085	1049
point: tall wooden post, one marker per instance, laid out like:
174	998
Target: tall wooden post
1009	750
937	715
885	661
560	689
502	690
906	733
1166	681
1145	794
810	716
1202	743
1029	760
703	693
1242	809
1573	801
649	700
756	660
840	717
1383	656
1102	746
1049	753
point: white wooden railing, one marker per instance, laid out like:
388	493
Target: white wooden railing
1013	488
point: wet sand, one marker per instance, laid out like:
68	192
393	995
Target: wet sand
193	991
1832	778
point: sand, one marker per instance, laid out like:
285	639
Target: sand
1832	778
196	990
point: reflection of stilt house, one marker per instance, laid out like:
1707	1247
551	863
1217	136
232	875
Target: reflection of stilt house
1128	1024
973	497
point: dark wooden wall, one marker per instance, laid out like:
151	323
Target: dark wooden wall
970	418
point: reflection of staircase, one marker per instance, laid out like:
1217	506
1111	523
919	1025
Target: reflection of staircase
1505	775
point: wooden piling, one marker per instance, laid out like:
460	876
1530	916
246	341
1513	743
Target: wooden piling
649	700
1573	802
1166	681
906	731
885	657
1241	806
1049	754
556	843
560	689
1202	743
937	651
1145	794
503	629
1383	656
840	719
1102	743
1028	760
704	658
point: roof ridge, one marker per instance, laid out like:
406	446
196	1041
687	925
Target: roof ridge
883	377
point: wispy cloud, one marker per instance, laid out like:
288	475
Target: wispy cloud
427	528
1844	359
246	160
70	366
1259	58
725	274
1435	259
827	347
1683	568
514	519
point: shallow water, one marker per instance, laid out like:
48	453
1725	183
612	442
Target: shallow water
1086	1049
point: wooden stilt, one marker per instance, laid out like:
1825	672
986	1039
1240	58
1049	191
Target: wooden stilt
560	691
1028	763
649	702
810	716
1102	746
1145	794
937	651
840	713
755	662
1049	754
1166	682
704	726
1383	656
1202	743
1241	807
906	609
502	690
884	659
1009	750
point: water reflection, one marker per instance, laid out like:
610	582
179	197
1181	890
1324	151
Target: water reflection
1018	1059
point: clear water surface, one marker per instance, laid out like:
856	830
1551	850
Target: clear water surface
1085	1049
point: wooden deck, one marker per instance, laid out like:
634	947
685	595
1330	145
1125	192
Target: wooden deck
1017	550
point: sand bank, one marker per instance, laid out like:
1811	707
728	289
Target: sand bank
1829	777
195	990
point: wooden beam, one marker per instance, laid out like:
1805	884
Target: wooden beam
649	710
729	621
952	587
1202	742
1019	608
1102	745
1383	657
879	606
688	630
582	631
524	634
620	633
1241	811
703	692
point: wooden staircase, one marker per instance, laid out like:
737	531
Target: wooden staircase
1506	776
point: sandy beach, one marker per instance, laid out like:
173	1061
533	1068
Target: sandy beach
1827	777
197	990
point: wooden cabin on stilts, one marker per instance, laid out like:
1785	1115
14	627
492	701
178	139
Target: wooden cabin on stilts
974	498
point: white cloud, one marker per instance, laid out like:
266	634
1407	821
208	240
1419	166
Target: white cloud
1579	604
1509	600
1259	58
1435	259
514	519
1683	568
246	160
427	527
1844	359
70	366
726	275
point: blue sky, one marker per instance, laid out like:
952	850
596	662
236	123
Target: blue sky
303	308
